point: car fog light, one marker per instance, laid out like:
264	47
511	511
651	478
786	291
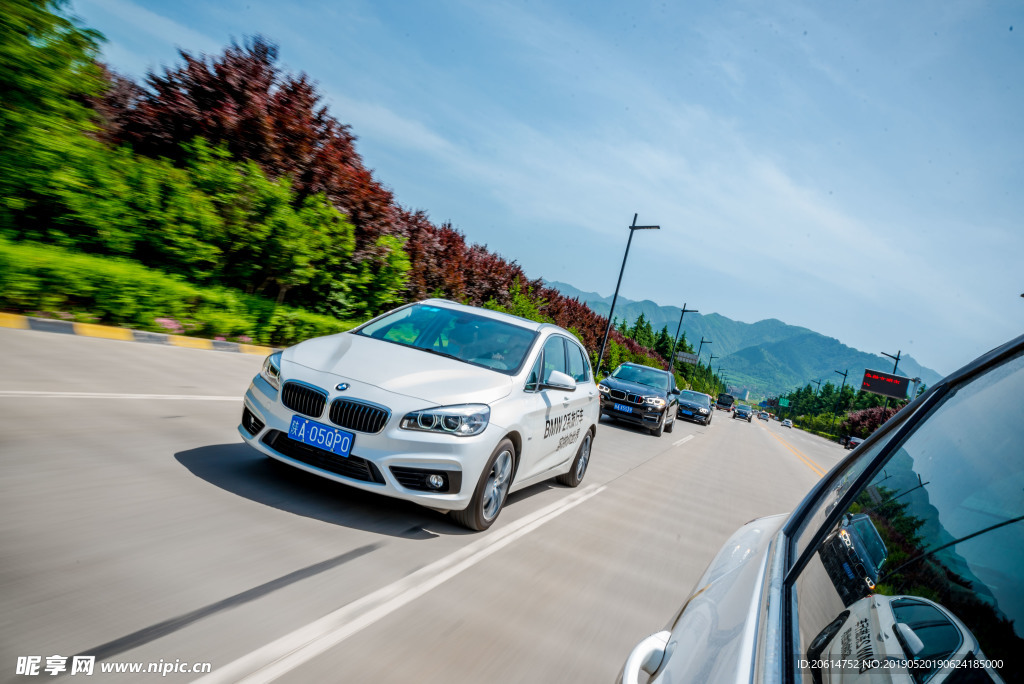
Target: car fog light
435	481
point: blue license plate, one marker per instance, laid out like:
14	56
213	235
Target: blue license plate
687	413
321	436
624	409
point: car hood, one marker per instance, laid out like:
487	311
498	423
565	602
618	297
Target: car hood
634	387
714	633
399	369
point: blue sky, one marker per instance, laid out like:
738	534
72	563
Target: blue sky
853	167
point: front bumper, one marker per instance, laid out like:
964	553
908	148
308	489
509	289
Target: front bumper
646	415
393	462
696	417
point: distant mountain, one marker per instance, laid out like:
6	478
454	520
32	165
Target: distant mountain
767	357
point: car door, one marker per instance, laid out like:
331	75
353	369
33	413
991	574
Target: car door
553	416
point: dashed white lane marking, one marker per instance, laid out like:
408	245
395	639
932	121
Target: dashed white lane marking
285	654
687	438
107	395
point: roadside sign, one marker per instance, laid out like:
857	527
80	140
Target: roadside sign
686	358
783	402
886	384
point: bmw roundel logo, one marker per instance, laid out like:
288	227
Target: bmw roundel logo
341	386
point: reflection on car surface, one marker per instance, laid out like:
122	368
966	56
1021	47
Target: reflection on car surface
445	405
852	556
911	549
640	395
695	407
898	631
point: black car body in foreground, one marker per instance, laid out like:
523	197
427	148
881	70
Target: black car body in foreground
932	501
640	395
695	406
743	412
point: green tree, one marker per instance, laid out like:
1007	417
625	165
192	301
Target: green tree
49	70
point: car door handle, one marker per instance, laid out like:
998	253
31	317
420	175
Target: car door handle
646	656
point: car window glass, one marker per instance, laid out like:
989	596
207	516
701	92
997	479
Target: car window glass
577	364
459	334
933	543
816	517
554	356
533	379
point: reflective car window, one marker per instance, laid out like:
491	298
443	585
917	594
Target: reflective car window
577	363
462	335
947	508
817	517
641	375
554	356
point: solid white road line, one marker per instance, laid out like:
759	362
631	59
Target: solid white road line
104	395
285	654
687	438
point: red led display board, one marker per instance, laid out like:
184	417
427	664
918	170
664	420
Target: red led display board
886	384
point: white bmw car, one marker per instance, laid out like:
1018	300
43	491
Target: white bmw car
446	405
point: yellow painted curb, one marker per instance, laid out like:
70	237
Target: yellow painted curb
8	320
254	349
189	342
105	331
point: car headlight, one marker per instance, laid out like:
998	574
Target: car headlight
464	420
271	370
603	389
703	410
656	401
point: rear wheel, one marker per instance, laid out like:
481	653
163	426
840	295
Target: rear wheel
491	490
579	464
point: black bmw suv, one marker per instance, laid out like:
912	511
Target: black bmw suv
640	395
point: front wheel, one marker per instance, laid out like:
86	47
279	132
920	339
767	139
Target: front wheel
669	426
579	464
656	431
491	491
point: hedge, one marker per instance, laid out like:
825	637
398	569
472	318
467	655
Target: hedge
49	281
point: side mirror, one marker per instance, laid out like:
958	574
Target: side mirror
910	639
559	381
675	391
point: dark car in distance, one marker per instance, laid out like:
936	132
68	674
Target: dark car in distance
743	412
640	395
695	406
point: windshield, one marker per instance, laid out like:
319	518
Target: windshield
456	334
688	395
642	376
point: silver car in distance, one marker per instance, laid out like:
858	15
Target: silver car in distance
450	406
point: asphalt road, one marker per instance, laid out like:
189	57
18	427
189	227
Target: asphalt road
135	526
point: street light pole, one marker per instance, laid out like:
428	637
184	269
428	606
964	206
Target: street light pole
675	341
702	343
633	227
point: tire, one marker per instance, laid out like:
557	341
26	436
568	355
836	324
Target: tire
579	464
669	426
491	490
661	427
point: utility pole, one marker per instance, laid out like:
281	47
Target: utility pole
897	357
633	227
838	399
